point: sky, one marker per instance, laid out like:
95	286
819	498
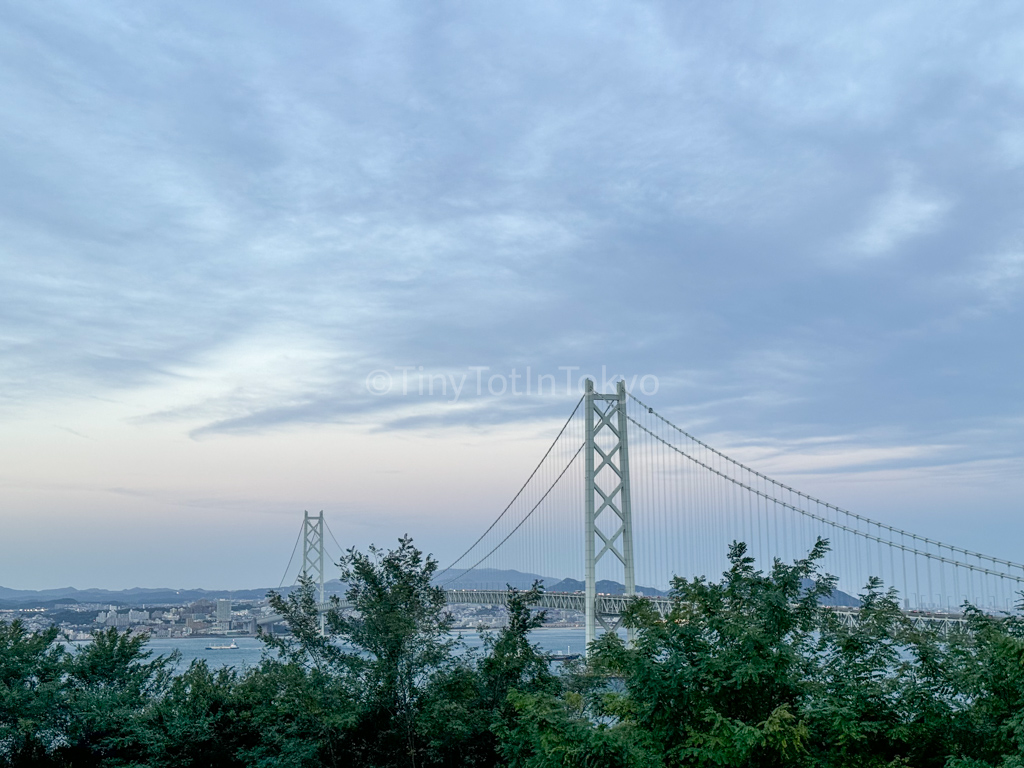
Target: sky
237	239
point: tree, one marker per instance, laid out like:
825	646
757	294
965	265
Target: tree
110	688
750	671
32	718
546	731
872	700
720	680
985	668
399	629
201	720
307	703
512	662
466	706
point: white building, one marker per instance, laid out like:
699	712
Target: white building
223	610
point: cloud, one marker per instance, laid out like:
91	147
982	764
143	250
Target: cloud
840	454
225	217
902	213
1001	278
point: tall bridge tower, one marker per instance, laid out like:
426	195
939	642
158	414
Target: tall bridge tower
609	515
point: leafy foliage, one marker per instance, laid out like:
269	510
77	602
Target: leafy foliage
751	671
717	681
31	688
400	632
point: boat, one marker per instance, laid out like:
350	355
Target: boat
231	647
567	655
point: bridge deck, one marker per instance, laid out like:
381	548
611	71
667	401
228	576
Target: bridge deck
610	606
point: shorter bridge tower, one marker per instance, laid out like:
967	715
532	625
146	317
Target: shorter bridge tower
609	514
313	554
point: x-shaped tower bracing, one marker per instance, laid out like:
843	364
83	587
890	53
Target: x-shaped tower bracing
609	518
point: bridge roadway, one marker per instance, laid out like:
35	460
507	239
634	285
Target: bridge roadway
610	607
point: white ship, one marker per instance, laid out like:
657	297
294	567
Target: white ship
231	647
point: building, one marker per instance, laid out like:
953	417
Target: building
223	611
118	620
202	607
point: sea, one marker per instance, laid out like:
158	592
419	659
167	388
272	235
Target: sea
551	640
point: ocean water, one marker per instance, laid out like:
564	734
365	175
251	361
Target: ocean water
250	650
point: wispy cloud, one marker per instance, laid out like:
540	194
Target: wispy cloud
225	216
896	216
1002	278
839	453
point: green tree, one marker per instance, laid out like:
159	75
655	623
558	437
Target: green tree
720	680
307	647
399	630
873	701
201	720
305	699
750	671
986	668
110	688
463	708
511	661
546	731
32	716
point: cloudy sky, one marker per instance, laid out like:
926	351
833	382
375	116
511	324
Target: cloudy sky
226	229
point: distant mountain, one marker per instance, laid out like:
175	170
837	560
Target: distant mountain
837	598
482	578
26	598
489	578
604	586
27	603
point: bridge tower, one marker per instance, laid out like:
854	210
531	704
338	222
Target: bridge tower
609	516
313	553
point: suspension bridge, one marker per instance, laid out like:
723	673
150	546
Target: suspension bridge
624	497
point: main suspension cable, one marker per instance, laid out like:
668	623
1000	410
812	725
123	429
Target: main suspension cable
519	524
834	524
290	559
868	521
518	493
